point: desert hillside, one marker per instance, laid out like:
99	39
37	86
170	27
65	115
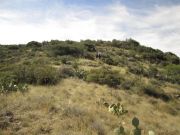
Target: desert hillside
88	88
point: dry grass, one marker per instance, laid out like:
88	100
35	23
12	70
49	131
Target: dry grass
74	107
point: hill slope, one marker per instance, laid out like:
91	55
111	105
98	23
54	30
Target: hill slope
69	82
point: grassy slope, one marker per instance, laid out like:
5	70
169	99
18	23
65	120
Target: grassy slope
73	107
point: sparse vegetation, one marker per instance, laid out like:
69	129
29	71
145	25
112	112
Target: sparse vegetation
64	84
156	92
104	76
34	74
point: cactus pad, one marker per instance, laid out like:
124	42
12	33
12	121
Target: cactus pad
135	122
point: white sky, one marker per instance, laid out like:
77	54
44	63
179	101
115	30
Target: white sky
158	28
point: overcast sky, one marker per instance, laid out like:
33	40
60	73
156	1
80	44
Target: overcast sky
154	23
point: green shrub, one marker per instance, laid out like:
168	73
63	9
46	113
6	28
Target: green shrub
46	75
156	82
152	71
67	49
154	56
89	45
136	69
9	84
36	74
88	55
156	93
111	60
66	71
34	44
71	71
104	76
13	47
173	73
66	59
128	44
127	84
75	65
40	61
81	74
172	58
170	73
22	73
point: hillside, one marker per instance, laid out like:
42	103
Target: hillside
62	88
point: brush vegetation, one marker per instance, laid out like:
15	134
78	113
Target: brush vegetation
60	87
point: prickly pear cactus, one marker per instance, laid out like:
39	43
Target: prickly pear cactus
106	104
116	109
119	131
135	123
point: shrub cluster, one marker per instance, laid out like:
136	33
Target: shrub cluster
89	46
66	71
35	74
127	84
81	74
69	71
111	60
8	84
104	76
173	73
67	49
66	59
170	73
152	91
34	44
89	55
136	69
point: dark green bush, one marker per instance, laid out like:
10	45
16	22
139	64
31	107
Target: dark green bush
156	92
172	58
13	47
66	59
173	69
136	69
104	76
128	44
22	74
151	72
89	44
88	55
170	73
55	42
75	65
81	74
154	56
36	74
156	82
127	84
90	47
9	84
67	49
70	71
34	44
46	75
66	71
111	60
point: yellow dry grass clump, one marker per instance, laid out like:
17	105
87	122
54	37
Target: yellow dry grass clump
75	107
